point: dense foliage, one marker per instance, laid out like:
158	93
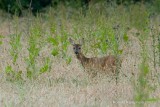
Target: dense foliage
16	6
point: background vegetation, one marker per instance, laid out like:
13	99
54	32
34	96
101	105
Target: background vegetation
17	6
39	68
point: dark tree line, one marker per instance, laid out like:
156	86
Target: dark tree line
16	6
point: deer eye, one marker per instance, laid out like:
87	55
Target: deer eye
79	48
74	48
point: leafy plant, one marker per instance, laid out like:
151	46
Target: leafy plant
12	75
33	50
46	67
15	46
60	46
36	43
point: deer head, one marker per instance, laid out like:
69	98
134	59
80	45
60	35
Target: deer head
76	47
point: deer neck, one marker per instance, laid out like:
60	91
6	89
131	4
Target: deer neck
82	58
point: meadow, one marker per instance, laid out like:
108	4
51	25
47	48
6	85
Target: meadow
39	68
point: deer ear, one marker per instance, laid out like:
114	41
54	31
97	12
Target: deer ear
71	41
82	41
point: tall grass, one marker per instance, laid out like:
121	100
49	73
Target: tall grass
104	28
143	87
12	72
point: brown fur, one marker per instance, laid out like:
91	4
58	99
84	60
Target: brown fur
107	63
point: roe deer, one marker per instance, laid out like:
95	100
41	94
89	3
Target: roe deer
103	63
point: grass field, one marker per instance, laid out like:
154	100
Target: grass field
39	68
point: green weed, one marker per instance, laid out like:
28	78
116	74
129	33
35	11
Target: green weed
35	43
60	45
12	75
15	42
